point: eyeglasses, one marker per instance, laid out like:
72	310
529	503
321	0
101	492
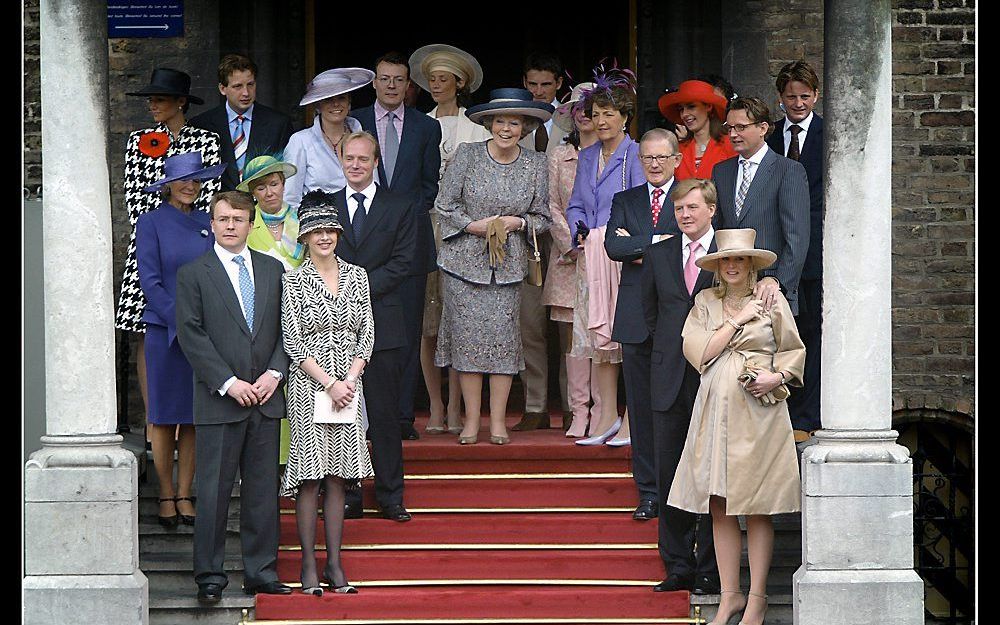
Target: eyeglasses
738	127
659	158
236	221
390	80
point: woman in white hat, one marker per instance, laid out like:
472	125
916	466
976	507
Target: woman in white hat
493	197
565	261
315	151
739	456
450	75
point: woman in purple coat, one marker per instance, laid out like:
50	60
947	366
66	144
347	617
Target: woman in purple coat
166	238
609	166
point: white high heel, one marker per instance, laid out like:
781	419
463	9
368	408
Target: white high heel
601	438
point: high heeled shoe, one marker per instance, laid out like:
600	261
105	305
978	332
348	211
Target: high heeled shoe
469	440
186	519
434	429
764	597
736	612
619	442
171	520
346	589
499	440
578	427
316	591
601	438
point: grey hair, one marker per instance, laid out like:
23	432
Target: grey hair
661	133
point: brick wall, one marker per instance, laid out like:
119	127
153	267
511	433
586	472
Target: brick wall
933	196
32	169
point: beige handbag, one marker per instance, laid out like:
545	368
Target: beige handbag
534	277
778	393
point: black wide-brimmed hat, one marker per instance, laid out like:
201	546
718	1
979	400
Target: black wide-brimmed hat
166	81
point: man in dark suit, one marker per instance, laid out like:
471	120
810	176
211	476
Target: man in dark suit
670	281
639	219
246	128
762	190
229	327
409	165
379	235
799	136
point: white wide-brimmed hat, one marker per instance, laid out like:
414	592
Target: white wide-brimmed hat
736	242
563	117
442	57
335	82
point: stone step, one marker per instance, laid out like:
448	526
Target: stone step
169	609
779	605
171	575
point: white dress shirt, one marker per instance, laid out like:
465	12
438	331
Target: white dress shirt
706	242
352	204
664	201
756	160
804	125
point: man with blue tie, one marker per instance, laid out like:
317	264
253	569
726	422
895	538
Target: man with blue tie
409	165
229	326
641	216
246	128
799	136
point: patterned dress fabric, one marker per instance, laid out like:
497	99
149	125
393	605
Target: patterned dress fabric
333	330
736	448
141	171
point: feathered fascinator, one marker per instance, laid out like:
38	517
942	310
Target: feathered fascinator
610	82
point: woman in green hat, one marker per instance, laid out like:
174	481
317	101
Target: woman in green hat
275	229
276	225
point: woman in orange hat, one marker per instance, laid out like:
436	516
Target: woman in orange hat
701	110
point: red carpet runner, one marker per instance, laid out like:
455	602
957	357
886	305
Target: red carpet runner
537	531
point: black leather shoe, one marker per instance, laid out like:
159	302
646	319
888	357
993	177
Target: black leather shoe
407	432
673	583
396	513
645	511
270	588
705	585
532	421
209	593
353	512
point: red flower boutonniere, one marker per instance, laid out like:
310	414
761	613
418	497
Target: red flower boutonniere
154	144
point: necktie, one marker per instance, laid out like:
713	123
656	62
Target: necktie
391	147
246	290
793	147
657	192
744	186
690	269
541	138
239	144
358	222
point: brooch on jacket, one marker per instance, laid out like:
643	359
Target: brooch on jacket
154	144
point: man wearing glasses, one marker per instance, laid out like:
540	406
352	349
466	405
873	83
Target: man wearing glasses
408	140
763	190
641	216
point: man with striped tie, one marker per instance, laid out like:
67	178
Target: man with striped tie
246	128
763	190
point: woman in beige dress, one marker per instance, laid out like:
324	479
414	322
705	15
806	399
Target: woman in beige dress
450	75
739	456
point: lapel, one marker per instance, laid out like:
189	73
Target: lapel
258	132
261	286
344	216
407	142
217	273
667	223
376	213
705	277
616	158
642	213
677	260
221	122
725	175
758	182
814	141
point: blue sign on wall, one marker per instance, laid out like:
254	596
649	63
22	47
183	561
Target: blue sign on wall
149	18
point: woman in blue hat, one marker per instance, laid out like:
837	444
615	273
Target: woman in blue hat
494	196
168	98
173	234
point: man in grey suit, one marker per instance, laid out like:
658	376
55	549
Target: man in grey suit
762	190
229	327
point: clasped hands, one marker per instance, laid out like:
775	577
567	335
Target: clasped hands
259	392
342	393
479	226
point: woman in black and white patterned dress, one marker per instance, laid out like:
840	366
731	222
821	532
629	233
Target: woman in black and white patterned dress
329	333
168	99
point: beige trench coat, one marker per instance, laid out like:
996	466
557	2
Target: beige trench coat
735	447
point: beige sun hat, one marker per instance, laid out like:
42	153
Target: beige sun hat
442	57
563	117
736	242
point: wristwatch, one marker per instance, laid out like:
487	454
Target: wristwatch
277	374
351	378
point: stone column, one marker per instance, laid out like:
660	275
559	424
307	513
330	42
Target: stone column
81	545
857	490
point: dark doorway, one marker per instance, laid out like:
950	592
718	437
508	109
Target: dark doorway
499	38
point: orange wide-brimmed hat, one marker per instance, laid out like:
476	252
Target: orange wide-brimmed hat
691	91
